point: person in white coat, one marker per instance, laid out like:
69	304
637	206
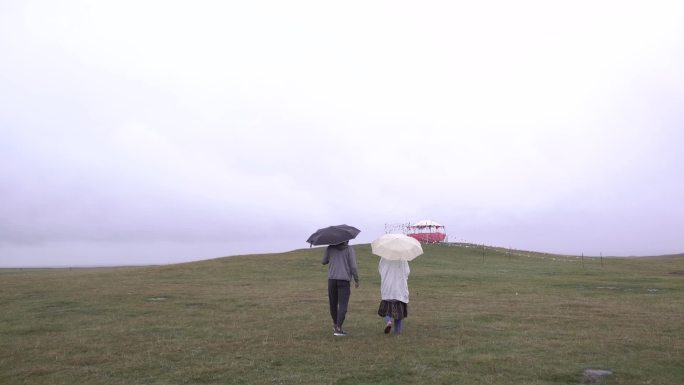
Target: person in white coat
394	293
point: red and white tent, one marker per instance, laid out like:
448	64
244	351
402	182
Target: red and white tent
427	231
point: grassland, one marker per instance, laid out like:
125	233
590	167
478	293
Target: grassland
475	317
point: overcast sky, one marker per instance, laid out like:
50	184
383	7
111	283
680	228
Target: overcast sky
137	132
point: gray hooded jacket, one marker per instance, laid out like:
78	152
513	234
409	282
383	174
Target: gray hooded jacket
342	262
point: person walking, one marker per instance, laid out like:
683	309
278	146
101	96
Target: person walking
394	293
341	261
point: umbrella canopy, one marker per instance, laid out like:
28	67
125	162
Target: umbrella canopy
333	235
396	247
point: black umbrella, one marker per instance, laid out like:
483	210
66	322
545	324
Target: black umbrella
333	235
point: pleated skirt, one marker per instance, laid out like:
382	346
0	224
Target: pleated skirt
394	309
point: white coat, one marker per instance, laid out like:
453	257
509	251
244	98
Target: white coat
394	280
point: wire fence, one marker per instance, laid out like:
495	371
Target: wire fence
404	228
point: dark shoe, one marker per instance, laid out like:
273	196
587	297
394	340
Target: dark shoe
388	327
339	332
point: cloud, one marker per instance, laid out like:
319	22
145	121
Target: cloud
212	122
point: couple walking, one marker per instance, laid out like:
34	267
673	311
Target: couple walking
342	268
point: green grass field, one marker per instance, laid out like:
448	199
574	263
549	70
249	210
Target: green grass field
474	318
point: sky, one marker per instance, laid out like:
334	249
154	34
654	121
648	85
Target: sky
155	132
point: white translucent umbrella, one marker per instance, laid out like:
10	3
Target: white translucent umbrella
396	247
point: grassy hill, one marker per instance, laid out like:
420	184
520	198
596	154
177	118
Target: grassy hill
476	316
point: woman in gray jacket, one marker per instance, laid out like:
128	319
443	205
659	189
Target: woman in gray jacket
341	261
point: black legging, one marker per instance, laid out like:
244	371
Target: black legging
338	294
